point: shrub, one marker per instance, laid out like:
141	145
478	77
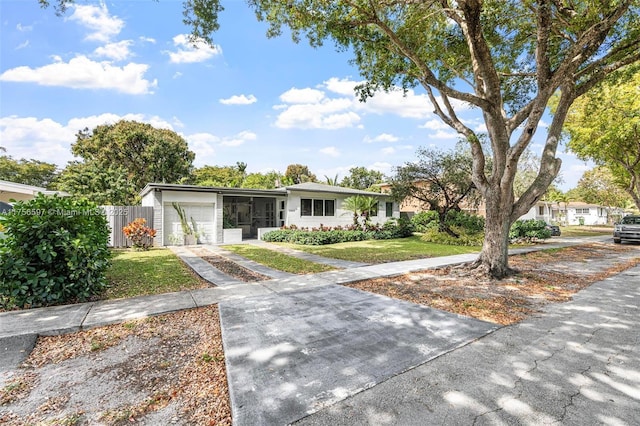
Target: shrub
139	234
528	231
425	221
55	251
465	238
327	235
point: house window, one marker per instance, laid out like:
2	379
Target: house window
312	207
582	211
329	207
305	207
541	210
389	208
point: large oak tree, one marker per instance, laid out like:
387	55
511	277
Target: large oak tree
503	58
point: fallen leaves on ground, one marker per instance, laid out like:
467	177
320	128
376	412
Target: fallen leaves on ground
228	267
544	277
175	359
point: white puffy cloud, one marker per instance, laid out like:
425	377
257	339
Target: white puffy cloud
103	26
325	114
147	39
48	140
191	51
383	137
117	51
203	145
341	86
239	100
302	96
331	151
382	167
84	73
442	134
239	139
435	124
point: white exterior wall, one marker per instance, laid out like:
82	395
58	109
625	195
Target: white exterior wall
154	199
342	217
596	216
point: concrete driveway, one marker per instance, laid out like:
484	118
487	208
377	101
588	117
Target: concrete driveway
291	354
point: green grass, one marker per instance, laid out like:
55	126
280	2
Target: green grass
138	273
382	251
279	261
585	231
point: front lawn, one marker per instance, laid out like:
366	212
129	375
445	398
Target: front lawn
139	273
585	231
279	261
383	251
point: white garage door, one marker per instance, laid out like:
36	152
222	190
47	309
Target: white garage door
202	214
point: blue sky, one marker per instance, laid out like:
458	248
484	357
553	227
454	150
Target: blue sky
267	102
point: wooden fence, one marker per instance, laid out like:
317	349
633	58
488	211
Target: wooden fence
119	216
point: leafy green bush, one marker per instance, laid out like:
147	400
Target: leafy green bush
425	221
465	238
55	251
529	230
393	228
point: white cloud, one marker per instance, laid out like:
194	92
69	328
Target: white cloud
117	51
22	45
24	28
202	144
331	151
191	51
147	39
341	86
97	19
178	74
388	151
239	100
441	134
239	139
327	114
409	105
48	140
383	137
302	96
381	166
435	124
83	73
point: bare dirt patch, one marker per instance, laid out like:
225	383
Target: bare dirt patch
228	267
168	369
544	277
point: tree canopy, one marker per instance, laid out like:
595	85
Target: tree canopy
598	186
135	152
299	173
604	126
28	172
440	181
363	179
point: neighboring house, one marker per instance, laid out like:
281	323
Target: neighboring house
20	192
574	213
254	211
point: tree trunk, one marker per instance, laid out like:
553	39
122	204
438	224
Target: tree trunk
494	258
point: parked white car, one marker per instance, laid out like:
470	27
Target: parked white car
628	229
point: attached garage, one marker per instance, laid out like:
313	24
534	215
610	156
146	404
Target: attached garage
202	214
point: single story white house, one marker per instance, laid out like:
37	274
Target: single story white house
19	192
574	213
251	211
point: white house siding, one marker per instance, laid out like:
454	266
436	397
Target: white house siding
200	206
592	215
154	199
341	216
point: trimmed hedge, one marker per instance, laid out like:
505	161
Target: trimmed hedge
424	221
466	238
393	228
55	251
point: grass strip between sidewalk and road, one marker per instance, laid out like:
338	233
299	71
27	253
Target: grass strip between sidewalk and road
384	251
279	261
141	273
